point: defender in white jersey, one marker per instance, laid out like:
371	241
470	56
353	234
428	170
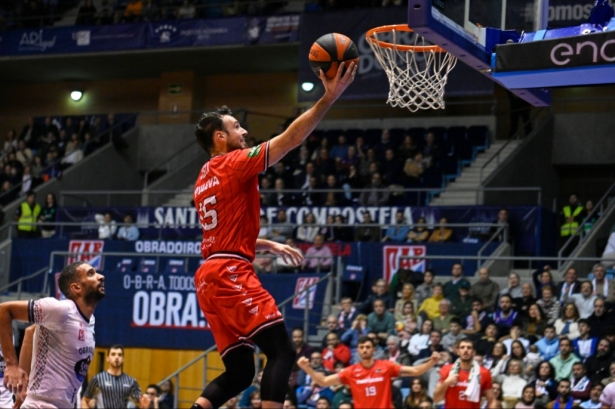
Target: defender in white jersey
63	339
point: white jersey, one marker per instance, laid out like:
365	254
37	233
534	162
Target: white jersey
62	352
6	397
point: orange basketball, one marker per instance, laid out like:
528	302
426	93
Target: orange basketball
329	51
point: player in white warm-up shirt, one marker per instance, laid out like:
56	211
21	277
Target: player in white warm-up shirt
63	343
6	397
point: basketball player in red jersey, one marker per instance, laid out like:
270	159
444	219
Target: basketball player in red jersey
369	380
457	386
239	311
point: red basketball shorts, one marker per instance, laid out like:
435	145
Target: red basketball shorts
235	304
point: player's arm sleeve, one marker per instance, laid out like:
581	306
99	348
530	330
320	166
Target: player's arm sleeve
344	376
394	369
246	163
48	312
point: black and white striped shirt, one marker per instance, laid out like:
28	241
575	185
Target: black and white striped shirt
113	391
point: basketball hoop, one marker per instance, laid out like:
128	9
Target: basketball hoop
417	73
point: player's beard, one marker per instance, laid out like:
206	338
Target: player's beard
94	295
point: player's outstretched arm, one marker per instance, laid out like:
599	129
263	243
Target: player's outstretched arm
421	369
318	377
303	126
288	254
15	379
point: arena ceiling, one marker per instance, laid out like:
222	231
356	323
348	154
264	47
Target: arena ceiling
149	63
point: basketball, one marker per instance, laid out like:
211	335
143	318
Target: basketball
329	51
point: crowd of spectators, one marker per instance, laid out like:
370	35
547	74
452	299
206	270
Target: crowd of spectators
37	13
46	147
543	342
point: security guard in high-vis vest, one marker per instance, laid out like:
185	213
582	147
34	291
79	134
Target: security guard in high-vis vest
27	215
572	214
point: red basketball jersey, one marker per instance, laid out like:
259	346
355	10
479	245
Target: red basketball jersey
455	397
371	387
228	203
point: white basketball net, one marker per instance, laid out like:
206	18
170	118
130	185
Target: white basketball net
417	77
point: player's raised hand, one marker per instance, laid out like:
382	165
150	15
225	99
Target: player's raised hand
289	254
336	86
303	362
15	379
435	358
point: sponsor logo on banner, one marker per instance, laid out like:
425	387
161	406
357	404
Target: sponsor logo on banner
82	37
34	40
168	247
165	32
166	309
79	248
299	302
392	261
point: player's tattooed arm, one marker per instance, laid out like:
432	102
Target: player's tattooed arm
318	377
421	369
288	253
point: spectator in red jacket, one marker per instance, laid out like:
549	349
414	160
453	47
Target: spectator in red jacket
335	351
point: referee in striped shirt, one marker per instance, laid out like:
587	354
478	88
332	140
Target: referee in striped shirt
113	388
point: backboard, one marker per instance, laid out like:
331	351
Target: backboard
478	31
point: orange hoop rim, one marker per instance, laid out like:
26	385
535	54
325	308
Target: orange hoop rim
369	37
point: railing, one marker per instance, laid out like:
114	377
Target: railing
19	282
422	193
605	203
516	137
281	306
501	230
165	162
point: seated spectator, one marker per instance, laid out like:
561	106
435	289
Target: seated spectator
333	197
367	233
515	336
435	339
301	348
608	255
534	324
431	305
309	395
478	319
513	383
414	168
566	326
394	354
339	150
417	395
166	395
347	314
485	344
462	306
419	232
341	230
531	361
425	290
562	362
541	278
106	226
601	320
357	330
496	360
133	11
443	320
528	398
129	232
549	344
569	286
335	351
284	265
505	317
514	286
451	287
48	216
585	345
24	154
282	229
407	295
549	304
327	229
544	383
375	194
598	365
564	399
379	292
611	378
485	289
580	385
26	181
318	257
246	397
303	379
594	398
523	303
441	233
332	328
602	286
308	230
186	11
381	322
454	334
420	341
398	232
584	301
408	321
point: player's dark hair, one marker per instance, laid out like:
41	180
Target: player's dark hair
115	346
364	339
153	385
68	276
208	124
465	341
